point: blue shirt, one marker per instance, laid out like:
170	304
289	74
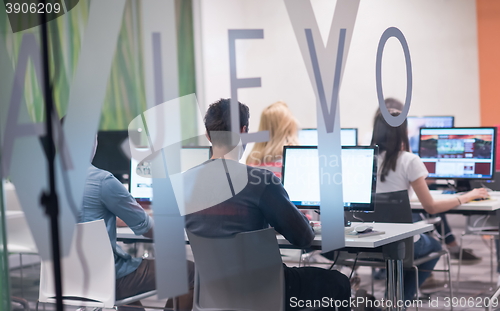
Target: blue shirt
105	198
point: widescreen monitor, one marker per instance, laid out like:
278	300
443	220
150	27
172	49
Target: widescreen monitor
461	153
309	137
301	177
416	123
141	183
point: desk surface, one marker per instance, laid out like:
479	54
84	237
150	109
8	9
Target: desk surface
487	205
393	233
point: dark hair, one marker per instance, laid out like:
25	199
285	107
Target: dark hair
218	116
390	103
390	139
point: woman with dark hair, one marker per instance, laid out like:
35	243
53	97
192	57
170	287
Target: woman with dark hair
399	169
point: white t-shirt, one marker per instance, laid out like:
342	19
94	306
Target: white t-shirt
409	168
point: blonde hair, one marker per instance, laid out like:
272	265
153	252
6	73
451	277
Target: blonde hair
283	128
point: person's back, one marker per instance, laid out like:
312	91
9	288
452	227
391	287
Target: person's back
259	203
106	198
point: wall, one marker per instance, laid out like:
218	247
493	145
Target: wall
488	24
441	34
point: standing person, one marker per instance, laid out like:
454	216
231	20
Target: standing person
283	131
257	204
105	198
398	169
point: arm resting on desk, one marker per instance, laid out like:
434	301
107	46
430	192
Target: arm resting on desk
434	207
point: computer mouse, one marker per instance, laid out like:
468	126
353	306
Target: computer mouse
481	199
363	228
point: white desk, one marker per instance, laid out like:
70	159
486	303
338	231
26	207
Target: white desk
480	206
393	233
391	242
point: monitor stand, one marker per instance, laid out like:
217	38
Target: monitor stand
463	185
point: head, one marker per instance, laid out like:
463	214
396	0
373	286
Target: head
390	103
390	139
218	122
282	126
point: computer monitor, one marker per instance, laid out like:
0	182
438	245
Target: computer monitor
416	123
109	154
309	137
141	183
461	153
301	177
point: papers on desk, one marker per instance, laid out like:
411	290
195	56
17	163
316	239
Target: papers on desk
354	234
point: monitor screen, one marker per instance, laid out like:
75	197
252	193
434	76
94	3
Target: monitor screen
301	177
141	186
458	152
416	123
309	137
109	155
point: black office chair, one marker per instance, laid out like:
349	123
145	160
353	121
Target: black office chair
394	207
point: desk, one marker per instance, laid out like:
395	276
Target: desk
470	207
391	244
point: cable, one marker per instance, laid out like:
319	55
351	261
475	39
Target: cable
354	265
334	261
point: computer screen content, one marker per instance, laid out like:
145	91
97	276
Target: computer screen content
416	123
309	137
301	177
141	183
458	152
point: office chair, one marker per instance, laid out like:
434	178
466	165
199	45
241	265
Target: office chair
19	239
394	207
88	271
243	272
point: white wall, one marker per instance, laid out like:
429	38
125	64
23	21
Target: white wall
441	35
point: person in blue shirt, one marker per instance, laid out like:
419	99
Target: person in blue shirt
106	198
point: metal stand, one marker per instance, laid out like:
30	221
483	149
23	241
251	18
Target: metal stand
49	199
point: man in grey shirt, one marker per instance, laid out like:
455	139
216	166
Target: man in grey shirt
106	198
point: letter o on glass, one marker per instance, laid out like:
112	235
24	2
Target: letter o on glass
391	120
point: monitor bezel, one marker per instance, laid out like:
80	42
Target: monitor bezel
355	131
356	208
447	116
342	128
148	200
494	143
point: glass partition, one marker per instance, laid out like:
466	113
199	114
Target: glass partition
4	267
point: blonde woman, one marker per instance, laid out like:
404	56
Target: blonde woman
283	128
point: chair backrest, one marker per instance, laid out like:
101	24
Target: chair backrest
19	237
88	271
243	272
393	207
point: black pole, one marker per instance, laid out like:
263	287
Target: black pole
49	200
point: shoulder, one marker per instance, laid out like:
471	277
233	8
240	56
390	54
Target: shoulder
102	178
408	158
97	173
